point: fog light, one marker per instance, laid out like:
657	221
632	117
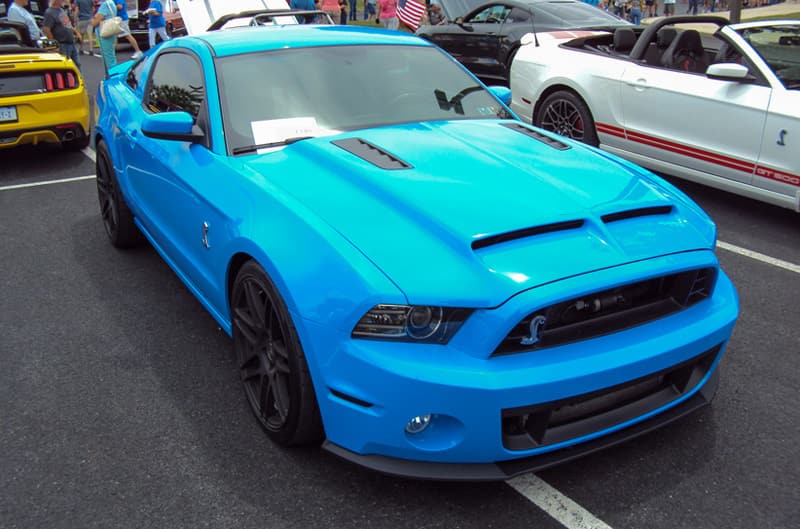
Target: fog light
419	423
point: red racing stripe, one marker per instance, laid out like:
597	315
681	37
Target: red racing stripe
699	154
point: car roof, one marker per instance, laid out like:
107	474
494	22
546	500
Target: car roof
264	38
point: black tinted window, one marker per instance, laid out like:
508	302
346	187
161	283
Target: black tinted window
177	84
573	15
135	74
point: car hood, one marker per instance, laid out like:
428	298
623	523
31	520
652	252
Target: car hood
478	211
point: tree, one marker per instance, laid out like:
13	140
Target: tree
735	7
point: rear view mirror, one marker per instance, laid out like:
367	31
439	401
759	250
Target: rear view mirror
177	126
502	93
729	71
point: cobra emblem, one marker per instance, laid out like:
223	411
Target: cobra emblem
536	327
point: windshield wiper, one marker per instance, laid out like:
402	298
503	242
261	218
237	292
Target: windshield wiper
253	148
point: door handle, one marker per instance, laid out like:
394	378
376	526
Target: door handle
638	84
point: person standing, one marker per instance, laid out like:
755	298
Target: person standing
57	26
304	5
369	10
353	9
343	12
122	13
635	14
18	13
106	10
669	8
157	24
85	11
387	13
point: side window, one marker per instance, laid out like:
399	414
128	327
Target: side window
491	15
176	84
519	16
135	74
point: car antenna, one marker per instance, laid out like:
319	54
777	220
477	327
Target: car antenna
533	26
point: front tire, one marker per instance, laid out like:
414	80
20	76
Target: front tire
271	362
117	218
565	113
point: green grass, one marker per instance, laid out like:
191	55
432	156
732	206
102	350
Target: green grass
794	16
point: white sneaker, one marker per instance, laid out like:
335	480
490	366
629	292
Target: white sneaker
136	55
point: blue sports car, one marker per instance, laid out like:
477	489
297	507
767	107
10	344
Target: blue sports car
410	275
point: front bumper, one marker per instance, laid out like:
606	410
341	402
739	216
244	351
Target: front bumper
504	470
368	390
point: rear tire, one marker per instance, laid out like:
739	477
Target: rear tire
271	361
565	113
117	218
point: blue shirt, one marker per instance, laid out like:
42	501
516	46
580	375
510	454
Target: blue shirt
85	9
108	9
122	12
157	21
20	14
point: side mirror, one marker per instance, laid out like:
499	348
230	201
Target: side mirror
177	126
729	71
502	93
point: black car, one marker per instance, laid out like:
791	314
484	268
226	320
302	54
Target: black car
487	37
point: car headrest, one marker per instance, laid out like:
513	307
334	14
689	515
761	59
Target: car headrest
624	39
689	40
664	37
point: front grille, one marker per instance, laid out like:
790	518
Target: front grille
558	421
608	311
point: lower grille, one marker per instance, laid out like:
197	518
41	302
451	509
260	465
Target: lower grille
558	421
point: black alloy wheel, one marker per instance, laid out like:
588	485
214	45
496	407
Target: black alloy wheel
271	362
565	113
117	218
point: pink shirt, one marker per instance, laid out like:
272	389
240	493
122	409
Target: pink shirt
387	9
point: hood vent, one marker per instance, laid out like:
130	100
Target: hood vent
639	212
547	140
371	153
526	232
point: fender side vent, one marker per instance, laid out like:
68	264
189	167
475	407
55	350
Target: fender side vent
640	212
526	232
552	142
350	398
371	153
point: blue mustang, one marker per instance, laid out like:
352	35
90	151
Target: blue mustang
409	273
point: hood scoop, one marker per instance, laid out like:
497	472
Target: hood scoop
372	154
526	232
638	212
547	140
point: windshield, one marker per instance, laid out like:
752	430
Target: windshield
574	15
779	46
280	95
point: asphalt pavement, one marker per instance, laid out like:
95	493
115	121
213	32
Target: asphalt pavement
120	404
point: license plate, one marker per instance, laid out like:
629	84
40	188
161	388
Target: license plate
8	114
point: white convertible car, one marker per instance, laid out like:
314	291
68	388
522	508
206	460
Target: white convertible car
689	96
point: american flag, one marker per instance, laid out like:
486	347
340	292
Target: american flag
410	12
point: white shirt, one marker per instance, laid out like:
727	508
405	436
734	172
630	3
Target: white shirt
20	14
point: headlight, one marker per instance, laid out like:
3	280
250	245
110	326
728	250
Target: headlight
418	323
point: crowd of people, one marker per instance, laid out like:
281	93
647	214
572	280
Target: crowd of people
76	25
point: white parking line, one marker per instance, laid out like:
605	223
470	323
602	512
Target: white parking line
564	510
47	182
89	152
780	263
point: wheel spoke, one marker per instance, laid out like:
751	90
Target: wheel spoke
281	357
280	396
247	326
255	303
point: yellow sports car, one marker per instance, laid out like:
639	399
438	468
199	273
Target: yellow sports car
42	94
